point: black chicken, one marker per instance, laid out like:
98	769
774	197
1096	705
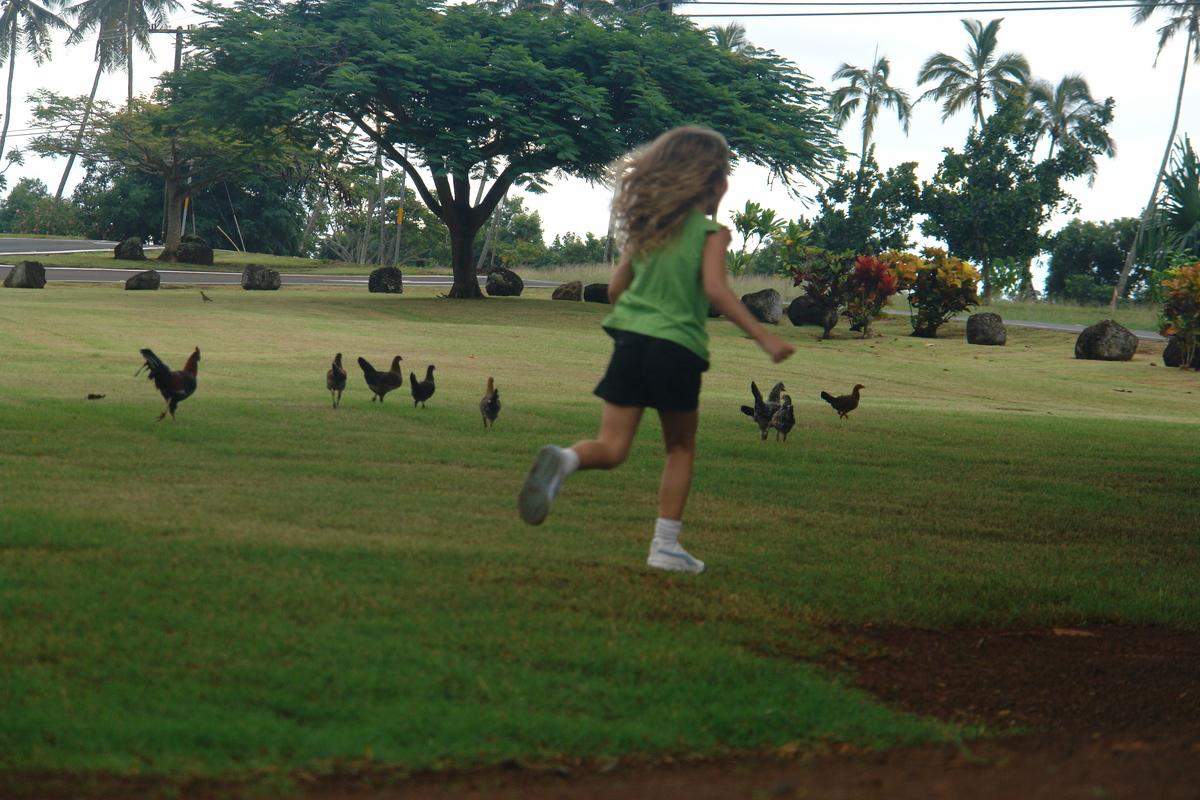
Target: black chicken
421	390
335	379
175	386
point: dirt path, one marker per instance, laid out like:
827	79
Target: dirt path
1118	707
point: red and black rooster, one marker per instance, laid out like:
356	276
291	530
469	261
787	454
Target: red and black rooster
175	386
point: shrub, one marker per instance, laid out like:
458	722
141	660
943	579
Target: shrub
1181	308
939	286
868	289
48	217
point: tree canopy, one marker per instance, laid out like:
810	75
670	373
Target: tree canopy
991	200
476	94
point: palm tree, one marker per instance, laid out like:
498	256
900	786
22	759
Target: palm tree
121	25
1179	213
982	76
24	22
731	37
869	89
1183	15
1062	111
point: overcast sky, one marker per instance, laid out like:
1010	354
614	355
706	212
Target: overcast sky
1116	58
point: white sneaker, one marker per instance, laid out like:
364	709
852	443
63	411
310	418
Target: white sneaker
541	484
672	557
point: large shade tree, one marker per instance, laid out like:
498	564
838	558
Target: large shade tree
171	142
1183	16
983	75
506	99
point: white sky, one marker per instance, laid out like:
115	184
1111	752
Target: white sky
1116	58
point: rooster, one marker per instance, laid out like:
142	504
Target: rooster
335	379
489	406
845	403
421	390
763	410
382	382
784	419
175	386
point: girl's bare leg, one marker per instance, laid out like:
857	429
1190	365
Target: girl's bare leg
679	440
618	424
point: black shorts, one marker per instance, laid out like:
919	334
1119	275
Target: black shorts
647	372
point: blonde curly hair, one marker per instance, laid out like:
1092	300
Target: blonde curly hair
656	186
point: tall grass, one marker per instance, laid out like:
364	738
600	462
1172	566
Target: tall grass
269	581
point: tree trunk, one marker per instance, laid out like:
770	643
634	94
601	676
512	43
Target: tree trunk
12	58
1131	256
174	233
87	113
462	264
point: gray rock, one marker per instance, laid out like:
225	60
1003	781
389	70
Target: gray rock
766	306
595	293
803	311
986	328
194	250
503	282
130	250
569	291
1172	354
26	275
1106	341
143	280
713	313
259	278
386	280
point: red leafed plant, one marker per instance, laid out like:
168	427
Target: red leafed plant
868	289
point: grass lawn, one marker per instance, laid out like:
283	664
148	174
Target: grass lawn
223	261
270	582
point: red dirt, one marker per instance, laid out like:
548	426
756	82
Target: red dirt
1115	713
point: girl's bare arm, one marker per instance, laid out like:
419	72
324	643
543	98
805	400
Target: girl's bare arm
713	269
620	279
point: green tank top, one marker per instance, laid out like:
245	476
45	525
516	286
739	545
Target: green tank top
666	297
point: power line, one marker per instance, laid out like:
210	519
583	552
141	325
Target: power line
960	10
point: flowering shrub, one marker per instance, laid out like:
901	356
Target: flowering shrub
1181	309
868	289
48	217
939	286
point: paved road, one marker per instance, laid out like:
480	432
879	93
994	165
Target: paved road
9	247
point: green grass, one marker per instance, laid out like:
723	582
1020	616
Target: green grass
269	582
1139	317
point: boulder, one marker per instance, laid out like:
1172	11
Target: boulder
26	275
569	291
143	280
713	313
595	293
193	249
129	250
986	328
1172	354
259	278
766	306
803	311
1106	341
503	282
386	280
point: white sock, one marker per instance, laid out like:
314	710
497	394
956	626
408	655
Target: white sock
667	530
570	462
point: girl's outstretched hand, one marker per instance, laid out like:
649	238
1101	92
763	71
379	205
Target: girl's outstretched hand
776	347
